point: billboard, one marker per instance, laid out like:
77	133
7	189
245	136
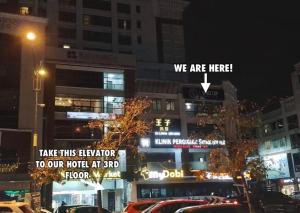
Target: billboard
277	166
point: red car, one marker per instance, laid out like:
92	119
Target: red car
137	207
169	206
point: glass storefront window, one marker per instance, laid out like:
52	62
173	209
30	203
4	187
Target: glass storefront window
114	81
113	104
70	104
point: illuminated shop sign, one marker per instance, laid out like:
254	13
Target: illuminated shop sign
108	175
166	127
91	116
197	93
162	124
9	168
291	180
165	174
217	176
187	143
167	133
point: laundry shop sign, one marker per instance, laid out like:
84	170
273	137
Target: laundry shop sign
161	175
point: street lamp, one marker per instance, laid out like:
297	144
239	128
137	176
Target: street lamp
31	36
39	74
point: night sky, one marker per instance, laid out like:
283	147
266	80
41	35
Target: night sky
260	38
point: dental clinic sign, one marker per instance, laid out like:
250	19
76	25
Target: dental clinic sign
187	143
161	175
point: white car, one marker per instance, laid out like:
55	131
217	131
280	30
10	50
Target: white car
15	207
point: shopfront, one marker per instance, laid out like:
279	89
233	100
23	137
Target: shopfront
289	185
173	183
84	192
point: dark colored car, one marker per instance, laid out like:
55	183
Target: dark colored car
170	206
273	202
214	208
137	207
268	202
88	209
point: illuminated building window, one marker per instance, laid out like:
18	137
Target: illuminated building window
170	105
114	81
69	104
113	104
86	19
124	24
268	145
24	10
66	46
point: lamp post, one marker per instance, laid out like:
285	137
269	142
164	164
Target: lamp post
39	73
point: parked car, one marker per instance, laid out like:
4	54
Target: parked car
16	207
214	208
137	207
273	202
267	202
170	206
87	209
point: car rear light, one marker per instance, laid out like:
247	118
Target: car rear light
235	202
227	201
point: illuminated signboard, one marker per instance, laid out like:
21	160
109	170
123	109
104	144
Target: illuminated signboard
162	124
165	174
187	143
166	127
217	176
108	175
91	116
197	93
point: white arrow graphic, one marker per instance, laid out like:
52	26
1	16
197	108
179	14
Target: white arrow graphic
205	85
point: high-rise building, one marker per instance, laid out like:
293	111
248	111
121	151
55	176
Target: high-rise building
150	30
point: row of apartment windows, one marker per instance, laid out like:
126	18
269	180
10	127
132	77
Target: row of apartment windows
276	143
292	123
106	104
76	78
69	33
97	20
92	4
157	105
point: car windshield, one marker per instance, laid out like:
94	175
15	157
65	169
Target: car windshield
26	209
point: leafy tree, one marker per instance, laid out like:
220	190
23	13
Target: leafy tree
237	123
121	134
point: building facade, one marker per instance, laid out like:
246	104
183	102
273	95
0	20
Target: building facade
177	143
150	30
82	86
19	59
279	145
